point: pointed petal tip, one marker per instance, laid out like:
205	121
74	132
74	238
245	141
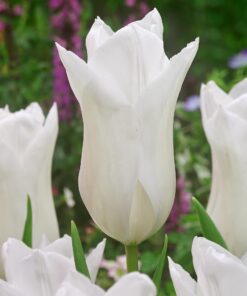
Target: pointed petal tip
59	47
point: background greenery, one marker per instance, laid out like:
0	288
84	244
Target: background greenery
26	68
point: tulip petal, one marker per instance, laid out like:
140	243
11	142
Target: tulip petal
133	284
152	21
36	112
218	271
98	34
77	71
225	130
8	290
94	260
32	271
20	128
77	284
239	89
61	246
139	229
41	152
211	97
156	152
110	153
182	281
239	106
130	59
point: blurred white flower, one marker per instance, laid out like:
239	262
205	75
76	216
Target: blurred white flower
115	269
225	124
127	91
27	143
50	271
41	272
69	197
219	273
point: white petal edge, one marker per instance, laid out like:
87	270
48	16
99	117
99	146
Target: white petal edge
182	281
133	284
94	259
239	89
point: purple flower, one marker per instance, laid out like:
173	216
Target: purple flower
66	24
144	8
180	207
239	60
3	6
2	26
17	10
130	3
192	103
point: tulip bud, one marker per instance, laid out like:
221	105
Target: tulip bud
127	92
225	124
27	143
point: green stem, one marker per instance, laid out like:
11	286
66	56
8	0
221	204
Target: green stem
132	258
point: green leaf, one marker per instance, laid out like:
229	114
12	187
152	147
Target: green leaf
27	237
161	264
79	257
208	227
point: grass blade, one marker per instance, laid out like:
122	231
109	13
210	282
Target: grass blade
208	227
161	264
27	236
79	257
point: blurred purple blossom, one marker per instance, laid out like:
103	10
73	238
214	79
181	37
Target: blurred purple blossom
239	60
2	26
144	8
17	10
66	24
180	207
130	3
192	103
137	10
3	6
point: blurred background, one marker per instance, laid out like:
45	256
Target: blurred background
30	70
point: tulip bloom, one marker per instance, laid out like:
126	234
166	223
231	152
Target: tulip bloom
225	125
27	142
219	273
41	272
127	92
50	271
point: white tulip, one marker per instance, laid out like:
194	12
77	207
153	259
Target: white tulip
127	92
219	273
41	272
133	284
27	143
225	124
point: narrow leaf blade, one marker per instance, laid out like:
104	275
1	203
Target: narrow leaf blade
27	236
157	277
208	227
79	257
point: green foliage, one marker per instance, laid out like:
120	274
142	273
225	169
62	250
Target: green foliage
79	257
27	236
157	277
209	229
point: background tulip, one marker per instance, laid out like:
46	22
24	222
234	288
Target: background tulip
127	91
27	142
50	271
219	273
225	124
